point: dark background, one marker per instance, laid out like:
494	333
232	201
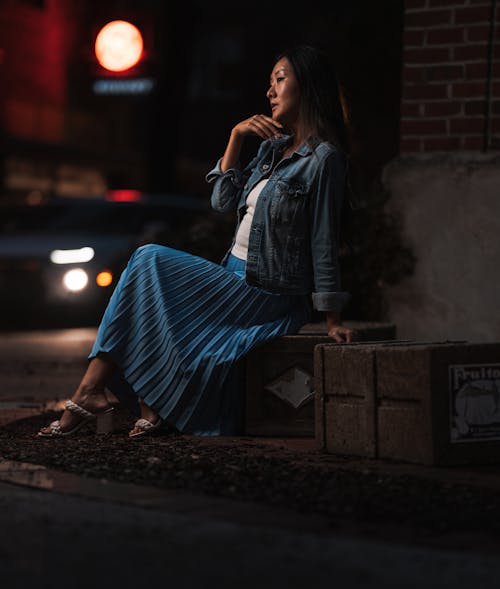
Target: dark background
210	63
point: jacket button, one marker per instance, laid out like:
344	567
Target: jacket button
265	166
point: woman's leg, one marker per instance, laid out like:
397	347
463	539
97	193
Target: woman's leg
90	392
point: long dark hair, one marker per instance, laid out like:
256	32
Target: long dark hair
324	115
321	110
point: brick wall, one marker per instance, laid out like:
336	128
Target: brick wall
450	76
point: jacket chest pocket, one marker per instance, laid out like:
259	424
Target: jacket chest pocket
289	199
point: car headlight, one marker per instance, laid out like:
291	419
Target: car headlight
75	280
78	256
104	278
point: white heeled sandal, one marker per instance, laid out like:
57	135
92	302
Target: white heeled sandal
103	421
146	427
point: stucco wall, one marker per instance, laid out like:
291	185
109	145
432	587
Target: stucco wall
449	209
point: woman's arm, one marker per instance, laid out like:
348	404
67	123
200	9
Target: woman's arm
231	156
261	125
326	205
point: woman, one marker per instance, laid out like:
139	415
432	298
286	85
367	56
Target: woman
177	324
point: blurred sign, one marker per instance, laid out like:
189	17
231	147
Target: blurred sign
122	61
132	86
29	179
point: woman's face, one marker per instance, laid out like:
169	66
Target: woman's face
284	94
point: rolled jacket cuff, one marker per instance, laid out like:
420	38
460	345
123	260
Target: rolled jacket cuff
233	173
330	301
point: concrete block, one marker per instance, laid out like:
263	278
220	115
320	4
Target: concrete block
280	391
434	403
345	381
403	433
280	382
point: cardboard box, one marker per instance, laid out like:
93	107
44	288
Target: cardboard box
434	403
279	398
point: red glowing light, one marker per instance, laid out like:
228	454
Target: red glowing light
119	46
124	195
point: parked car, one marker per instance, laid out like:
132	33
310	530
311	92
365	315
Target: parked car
61	261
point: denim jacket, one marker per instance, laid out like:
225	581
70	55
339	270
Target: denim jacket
292	245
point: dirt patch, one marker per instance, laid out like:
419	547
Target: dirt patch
292	475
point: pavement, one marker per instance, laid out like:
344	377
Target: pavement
56	540
59	525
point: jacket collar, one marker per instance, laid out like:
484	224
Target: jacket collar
280	143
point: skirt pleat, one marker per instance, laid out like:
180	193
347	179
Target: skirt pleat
178	327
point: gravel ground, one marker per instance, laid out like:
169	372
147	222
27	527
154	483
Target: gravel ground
306	481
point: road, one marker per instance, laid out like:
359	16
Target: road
56	539
39	366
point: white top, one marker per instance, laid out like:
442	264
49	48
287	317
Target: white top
240	247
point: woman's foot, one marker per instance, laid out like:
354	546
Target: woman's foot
92	400
148	422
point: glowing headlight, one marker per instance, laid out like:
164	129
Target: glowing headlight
104	278
79	256
75	280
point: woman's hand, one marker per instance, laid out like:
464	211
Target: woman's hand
261	125
342	334
339	332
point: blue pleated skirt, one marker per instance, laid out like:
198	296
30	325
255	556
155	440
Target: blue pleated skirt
178	327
